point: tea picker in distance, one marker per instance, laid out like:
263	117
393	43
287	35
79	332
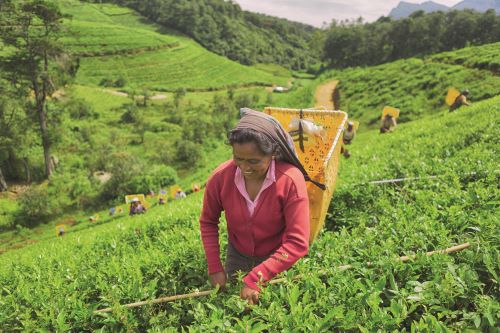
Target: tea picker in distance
460	100
136	207
263	193
388	124
348	136
180	194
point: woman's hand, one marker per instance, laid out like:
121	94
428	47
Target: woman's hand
219	279
249	294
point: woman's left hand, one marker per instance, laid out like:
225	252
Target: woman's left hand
249	294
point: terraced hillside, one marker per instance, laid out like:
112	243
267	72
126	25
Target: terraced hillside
55	284
417	87
481	57
115	42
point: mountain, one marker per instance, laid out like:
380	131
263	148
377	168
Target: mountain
404	9
478	5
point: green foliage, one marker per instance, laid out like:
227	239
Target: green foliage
8	209
79	109
153	178
349	44
480	57
145	55
188	154
123	168
417	87
223	28
37	61
132	113
71	189
35	206
160	253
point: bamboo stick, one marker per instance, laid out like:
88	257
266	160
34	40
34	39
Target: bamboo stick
452	249
161	300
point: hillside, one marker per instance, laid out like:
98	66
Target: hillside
349	44
224	28
146	101
418	87
55	284
116	43
480	57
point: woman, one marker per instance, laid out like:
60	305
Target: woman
265	203
460	100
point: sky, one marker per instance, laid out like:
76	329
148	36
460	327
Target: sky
315	12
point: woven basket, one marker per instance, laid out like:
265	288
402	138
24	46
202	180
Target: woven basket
320	157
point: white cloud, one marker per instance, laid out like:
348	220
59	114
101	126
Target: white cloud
315	12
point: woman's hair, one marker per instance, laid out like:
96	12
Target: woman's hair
264	144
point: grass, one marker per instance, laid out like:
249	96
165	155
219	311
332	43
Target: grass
8	208
56	283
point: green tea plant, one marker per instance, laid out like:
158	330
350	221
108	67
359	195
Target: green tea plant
145	55
480	57
57	283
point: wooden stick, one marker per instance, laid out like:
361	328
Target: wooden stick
161	300
398	180
452	249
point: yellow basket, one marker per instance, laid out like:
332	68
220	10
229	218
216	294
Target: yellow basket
320	157
390	110
60	230
142	199
173	190
451	96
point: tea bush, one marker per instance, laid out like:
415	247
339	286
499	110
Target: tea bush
55	285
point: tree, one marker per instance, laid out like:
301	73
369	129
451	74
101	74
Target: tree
17	135
37	60
3	183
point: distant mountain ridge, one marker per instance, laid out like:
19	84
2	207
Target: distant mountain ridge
478	5
404	9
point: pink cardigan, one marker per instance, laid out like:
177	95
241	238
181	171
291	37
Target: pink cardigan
279	227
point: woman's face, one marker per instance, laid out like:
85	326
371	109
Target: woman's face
252	162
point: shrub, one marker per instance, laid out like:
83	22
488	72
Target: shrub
79	109
107	82
189	154
120	82
123	167
160	176
131	114
35	206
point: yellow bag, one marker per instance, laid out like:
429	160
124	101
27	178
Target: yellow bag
390	110
142	199
320	157
451	96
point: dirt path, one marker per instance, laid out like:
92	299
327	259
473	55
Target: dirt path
324	95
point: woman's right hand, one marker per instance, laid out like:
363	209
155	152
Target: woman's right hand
218	278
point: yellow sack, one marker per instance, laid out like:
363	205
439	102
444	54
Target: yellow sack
320	158
451	96
390	110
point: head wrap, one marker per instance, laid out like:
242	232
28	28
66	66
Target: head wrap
272	129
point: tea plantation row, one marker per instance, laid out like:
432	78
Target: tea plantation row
55	285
